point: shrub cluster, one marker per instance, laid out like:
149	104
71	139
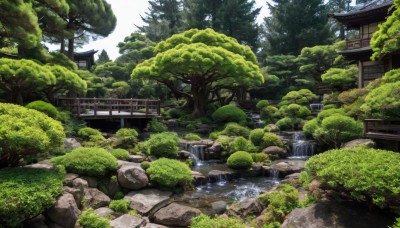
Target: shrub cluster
240	160
89	219
229	113
203	221
169	173
121	206
260	157
234	129
163	144
25	192
127	136
241	144
270	139
156	127
120	154
256	136
365	174
87	161
262	104
192	137
44	107
91	137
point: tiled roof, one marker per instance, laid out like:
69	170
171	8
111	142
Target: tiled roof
376	4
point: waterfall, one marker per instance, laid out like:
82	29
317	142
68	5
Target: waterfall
301	148
197	152
316	107
258	123
222	179
274	175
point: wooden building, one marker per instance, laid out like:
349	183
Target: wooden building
84	59
364	19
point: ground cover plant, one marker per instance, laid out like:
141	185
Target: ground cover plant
120	154
203	221
162	144
44	107
169	173
89	219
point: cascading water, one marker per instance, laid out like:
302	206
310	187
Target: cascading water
274	175
197	152
301	148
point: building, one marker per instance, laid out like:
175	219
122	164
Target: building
363	20
84	59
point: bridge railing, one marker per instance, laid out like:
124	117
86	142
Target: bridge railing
382	129
81	106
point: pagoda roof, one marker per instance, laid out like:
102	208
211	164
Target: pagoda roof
374	11
85	53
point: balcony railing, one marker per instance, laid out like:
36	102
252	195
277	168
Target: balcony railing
359	43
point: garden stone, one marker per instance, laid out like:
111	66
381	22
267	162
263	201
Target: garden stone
207	142
215	148
288	167
360	142
176	215
219	207
171	122
337	215
217	175
80	183
69	177
292	179
95	198
198	178
183	154
112	188
245	208
71	143
45	165
132	177
127	220
76	193
148	201
92	181
122	163
254	171
104	212
136	158
36	222
151	158
65	212
275	151
153	225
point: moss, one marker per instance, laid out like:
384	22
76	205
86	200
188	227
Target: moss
44	107
229	113
240	160
270	139
89	219
120	154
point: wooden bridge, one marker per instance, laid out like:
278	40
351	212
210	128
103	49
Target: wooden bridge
384	131
108	108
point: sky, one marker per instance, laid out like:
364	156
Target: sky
128	14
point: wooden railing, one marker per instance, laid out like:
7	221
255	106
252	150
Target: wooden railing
382	129
110	107
358	43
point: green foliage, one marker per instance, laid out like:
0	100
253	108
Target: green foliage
240	160
174	113
91	137
256	136
396	224
225	141
296	111
44	107
269	114
262	104
156	127
128	136
242	144
330	112
25	192
89	219
352	100
145	165
311	126
286	124
366	174
301	97
270	139
234	129
119	195
229	113
120	154
121	206
341	79
203	221
163	144
169	173
260	157
26	132
271	128
87	161
192	137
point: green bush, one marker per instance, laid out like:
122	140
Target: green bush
365	174
310	127
271	128
242	144
297	111
256	136
229	113
169	173
119	195
225	141
26	132
203	221
214	135
174	113
89	219
192	137
234	129
262	104
396	224
301	97
120	154
286	124
44	107
330	112
270	139
91	137
145	165
156	127
240	160
87	161
121	206
164	144
26	192
260	157
128	136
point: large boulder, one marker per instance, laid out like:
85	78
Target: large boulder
65	212
198	178
132	177
92	181
69	177
245	208
275	152
337	215
176	215
127	220
360	142
288	167
136	158
96	198
153	225
105	212
77	193
292	179
71	143
219	206
148	201
216	147
220	175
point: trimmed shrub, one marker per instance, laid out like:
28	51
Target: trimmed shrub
44	107
26	192
310	127
121	206
145	165
203	221
89	219
365	174
169	173
285	124
27	132
330	112
240	160
225	141
260	157
242	144
120	154
91	137
234	129
87	161
192	137
270	139
270	113
256	136
297	111
229	113
175	113
164	144
262	104
271	128
301	97
128	136
156	127
214	135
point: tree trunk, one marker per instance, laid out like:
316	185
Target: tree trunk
71	48
62	47
200	98
16	97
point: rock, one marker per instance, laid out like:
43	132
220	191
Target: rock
292	179
198	178
95	198
171	122
151	158
219	207
176	215
275	151
71	143
127	220
148	201
104	212
122	163
153	225
215	148
245	208
136	158
77	193
183	154
65	212
360	142
36	222
112	187
92	181
337	215
207	142
315	188
69	177
132	177
288	167
79	183
254	171
45	165
218	175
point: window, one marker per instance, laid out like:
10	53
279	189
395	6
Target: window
82	63
367	30
371	71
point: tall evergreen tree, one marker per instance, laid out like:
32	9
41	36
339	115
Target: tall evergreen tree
295	24
336	6
103	57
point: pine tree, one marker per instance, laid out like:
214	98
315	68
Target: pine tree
103	57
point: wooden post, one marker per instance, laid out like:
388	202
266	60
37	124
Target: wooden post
147	107
365	127
159	107
78	104
94	107
110	107
131	107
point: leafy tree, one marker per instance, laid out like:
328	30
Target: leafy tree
103	57
95	84
341	79
22	77
337	6
120	89
203	59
